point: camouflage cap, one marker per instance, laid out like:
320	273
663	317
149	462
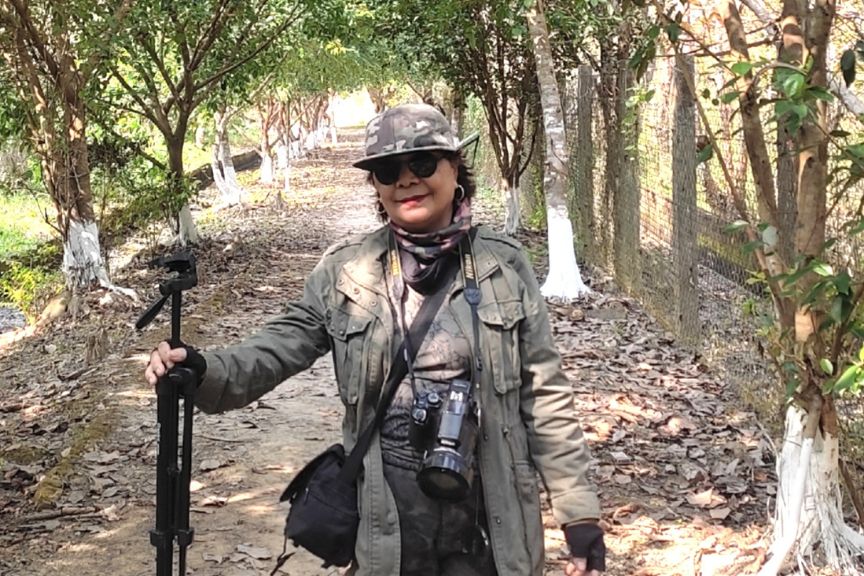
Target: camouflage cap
408	128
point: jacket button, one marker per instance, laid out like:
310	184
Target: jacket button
356	290
497	520
485	437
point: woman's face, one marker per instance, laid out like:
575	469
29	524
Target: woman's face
418	204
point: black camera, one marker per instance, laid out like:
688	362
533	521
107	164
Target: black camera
445	430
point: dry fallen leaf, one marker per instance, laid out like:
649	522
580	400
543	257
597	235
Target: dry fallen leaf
255	552
707	499
720	513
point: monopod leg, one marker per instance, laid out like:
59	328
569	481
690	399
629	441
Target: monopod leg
162	537
185	534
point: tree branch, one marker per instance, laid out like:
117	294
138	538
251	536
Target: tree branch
289	20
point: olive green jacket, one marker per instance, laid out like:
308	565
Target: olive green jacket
527	412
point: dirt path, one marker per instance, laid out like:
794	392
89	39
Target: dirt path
683	476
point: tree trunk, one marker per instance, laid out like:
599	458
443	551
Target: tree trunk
584	164
185	225
564	280
627	195
223	166
266	171
685	238
82	254
284	160
200	131
458	113
511	206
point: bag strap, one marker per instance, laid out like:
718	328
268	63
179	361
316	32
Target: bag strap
398	368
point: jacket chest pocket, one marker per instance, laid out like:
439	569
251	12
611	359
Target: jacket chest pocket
350	332
501	320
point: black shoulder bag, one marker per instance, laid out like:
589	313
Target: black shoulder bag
323	517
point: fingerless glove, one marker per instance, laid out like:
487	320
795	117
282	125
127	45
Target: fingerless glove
195	361
586	541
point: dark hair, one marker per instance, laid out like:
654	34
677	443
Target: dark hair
464	178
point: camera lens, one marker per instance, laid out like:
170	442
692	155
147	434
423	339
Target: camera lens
445	475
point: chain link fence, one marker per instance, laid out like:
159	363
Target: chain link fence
653	207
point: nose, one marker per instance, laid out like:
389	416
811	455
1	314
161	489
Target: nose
406	176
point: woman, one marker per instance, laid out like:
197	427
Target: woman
357	304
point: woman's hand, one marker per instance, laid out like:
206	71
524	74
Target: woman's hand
163	358
587	549
578	567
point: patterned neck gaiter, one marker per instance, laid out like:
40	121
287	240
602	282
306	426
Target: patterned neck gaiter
423	266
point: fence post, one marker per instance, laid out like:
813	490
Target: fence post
583	163
685	246
626	202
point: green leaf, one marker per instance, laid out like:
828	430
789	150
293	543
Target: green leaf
861	354
847	66
793	85
736	226
800	110
742	68
827	366
846	379
752	246
840	134
843	283
836	312
730	97
674	32
823	269
820	93
705	154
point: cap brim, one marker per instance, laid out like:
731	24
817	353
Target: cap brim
367	162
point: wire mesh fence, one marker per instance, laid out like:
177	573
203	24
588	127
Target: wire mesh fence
651	206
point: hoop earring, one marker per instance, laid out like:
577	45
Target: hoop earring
460	194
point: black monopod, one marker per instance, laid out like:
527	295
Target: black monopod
172	482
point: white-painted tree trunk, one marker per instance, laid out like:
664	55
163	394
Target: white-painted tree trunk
231	191
82	256
265	174
82	259
808	508
218	179
564	280
188	233
511	208
333	138
295	149
199	136
284	161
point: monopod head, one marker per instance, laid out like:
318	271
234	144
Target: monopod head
182	265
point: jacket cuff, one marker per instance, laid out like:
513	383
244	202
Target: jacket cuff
210	391
575	505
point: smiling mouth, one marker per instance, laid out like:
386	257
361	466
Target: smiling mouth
412	199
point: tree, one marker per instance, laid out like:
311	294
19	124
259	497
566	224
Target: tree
815	282
176	55
482	47
53	52
564	280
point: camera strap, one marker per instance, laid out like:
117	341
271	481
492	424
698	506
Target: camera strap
473	296
403	356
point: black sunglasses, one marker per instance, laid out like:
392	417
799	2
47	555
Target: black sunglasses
422	164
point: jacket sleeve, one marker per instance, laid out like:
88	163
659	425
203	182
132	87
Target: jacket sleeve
287	344
558	447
